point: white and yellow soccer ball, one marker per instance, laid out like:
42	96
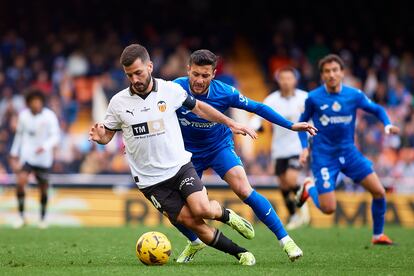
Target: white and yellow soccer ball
153	248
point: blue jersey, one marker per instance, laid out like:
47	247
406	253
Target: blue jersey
202	137
333	114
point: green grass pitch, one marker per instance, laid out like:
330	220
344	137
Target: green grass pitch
111	251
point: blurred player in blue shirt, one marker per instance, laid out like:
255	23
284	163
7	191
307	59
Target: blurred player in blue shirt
332	108
212	145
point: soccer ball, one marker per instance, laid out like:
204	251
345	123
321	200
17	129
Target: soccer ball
153	248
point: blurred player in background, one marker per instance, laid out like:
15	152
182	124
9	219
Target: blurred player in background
332	108
212	145
286	148
154	146
37	134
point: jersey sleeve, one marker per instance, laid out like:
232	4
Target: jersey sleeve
369	106
112	120
238	100
54	132
17	142
182	98
305	117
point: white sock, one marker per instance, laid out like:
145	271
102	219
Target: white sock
376	236
284	240
196	242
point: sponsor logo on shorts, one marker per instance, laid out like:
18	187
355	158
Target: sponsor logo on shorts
187	182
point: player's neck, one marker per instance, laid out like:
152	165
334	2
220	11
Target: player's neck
146	92
287	93
333	89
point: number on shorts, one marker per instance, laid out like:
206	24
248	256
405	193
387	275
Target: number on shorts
325	173
155	202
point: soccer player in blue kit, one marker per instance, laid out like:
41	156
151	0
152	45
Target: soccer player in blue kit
332	108
212	146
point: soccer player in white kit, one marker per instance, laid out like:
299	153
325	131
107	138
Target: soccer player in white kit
36	136
159	163
286	148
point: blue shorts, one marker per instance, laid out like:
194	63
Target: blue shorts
326	167
221	161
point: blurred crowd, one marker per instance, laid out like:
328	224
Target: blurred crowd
65	62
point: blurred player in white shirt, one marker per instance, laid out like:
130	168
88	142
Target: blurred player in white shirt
286	148
36	136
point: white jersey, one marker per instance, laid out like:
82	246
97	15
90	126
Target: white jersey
286	143
153	142
33	132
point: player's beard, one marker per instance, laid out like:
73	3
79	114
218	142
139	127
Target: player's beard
198	89
141	87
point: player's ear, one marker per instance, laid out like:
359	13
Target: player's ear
150	66
214	73
188	70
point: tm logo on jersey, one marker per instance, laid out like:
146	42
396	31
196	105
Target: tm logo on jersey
148	128
325	120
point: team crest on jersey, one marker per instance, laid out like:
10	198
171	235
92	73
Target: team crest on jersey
336	106
162	106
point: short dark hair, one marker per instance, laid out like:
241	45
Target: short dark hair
132	52
33	94
203	57
331	58
287	69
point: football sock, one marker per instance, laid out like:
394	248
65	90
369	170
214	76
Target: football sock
225	217
20	202
265	212
43	204
191	236
290	204
224	244
313	192
378	209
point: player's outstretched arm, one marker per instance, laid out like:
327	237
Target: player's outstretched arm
209	113
100	134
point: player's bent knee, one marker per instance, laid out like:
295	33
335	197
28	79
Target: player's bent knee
201	211
328	208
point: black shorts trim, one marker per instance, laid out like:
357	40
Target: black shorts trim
283	164
169	196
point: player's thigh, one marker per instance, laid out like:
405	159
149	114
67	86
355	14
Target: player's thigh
325	170
372	183
224	159
237	179
356	166
22	176
193	191
165	199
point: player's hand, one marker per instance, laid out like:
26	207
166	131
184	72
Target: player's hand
40	150
97	133
303	126
303	158
391	129
237	128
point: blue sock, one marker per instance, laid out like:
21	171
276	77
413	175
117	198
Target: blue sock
378	211
265	212
191	236
313	192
